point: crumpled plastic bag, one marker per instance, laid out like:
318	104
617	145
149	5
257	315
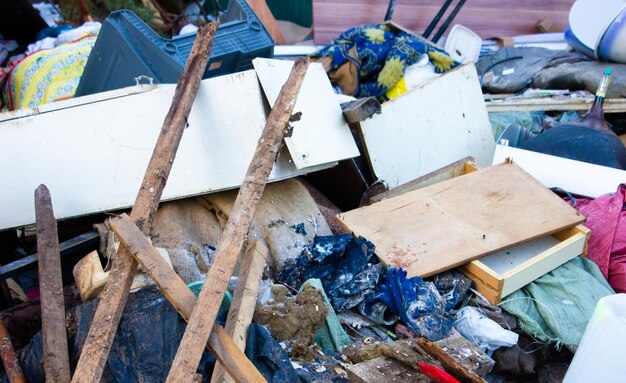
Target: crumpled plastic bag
482	331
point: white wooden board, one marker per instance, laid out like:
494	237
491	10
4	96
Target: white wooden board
93	157
322	135
576	177
429	128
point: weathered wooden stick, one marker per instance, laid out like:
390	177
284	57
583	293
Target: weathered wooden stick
203	316
451	365
56	362
96	349
9	359
244	300
226	351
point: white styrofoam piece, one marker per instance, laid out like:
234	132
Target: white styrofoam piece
93	157
322	134
430	127
576	177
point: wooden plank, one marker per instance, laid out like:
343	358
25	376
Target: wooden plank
384	370
360	109
99	166
455	169
571	175
244	300
611	105
429	128
95	351
227	352
485	17
56	362
203	316
453	222
10	361
321	114
264	13
450	364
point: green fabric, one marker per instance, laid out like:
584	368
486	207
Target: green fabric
332	336
557	306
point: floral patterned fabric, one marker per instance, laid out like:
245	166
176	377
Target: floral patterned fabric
382	53
49	74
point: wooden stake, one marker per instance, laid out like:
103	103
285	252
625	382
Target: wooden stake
244	300
9	359
226	351
96	349
56	362
451	365
203	316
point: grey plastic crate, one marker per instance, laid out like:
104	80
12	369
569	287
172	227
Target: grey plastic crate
127	48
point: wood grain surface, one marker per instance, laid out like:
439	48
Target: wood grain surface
488	18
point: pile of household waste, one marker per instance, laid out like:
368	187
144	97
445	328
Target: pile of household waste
385	207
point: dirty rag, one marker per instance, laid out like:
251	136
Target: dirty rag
331	336
345	264
418	304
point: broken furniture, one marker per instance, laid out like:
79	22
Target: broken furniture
428	128
113	135
451	223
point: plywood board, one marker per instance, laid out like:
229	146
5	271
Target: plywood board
322	135
576	177
456	221
487	18
92	157
429	128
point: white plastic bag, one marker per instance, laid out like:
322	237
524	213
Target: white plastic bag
482	331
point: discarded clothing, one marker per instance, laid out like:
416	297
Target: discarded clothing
368	60
268	357
453	286
606	217
331	337
418	304
482	331
343	263
50	74
557	306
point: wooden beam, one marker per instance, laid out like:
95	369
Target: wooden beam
9	359
611	105
450	364
56	362
360	109
96	349
244	300
203	316
226	351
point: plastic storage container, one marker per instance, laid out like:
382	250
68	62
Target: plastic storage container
127	48
600	356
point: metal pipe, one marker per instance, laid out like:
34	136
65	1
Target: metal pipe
438	16
448	21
